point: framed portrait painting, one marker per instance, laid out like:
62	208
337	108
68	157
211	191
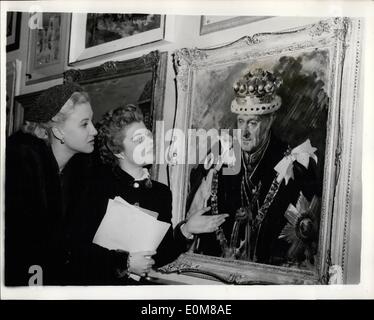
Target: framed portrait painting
47	48
96	34
211	24
280	108
13	29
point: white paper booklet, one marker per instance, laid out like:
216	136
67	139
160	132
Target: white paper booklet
127	227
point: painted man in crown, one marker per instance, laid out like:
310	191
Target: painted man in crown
271	201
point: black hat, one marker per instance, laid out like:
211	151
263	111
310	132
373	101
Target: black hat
50	102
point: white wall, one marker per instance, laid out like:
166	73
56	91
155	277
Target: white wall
185	33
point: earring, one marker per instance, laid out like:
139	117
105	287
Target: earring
62	141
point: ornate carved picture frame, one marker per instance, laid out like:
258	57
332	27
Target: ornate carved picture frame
328	54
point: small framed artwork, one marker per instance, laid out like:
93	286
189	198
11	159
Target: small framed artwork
14	112
13	28
47	51
96	34
211	24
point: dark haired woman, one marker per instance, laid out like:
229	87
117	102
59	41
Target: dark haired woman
126	145
43	179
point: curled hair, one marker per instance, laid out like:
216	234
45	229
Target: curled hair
43	130
111	131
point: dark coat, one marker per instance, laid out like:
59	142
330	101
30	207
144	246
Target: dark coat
267	248
38	200
103	266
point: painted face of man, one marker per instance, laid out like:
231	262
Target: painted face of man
255	130
78	130
138	144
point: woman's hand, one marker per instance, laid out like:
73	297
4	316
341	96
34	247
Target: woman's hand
140	263
198	223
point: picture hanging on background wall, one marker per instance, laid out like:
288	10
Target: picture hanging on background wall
96	34
13	30
47	46
14	112
102	28
211	24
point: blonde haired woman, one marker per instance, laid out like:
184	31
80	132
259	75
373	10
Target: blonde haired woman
42	181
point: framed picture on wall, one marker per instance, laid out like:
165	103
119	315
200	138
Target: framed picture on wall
297	86
13	28
211	24
14	112
96	34
48	47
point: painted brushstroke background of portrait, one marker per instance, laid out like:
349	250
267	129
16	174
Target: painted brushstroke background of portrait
305	98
